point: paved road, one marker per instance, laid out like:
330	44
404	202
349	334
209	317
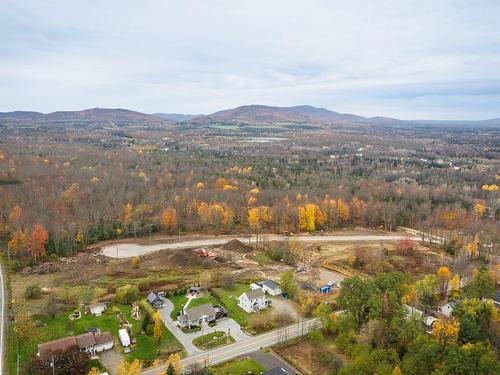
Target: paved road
2	320
237	349
128	250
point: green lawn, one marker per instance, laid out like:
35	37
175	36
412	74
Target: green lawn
213	340
229	298
181	300
146	348
239	367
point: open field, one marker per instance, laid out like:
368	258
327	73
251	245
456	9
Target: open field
307	357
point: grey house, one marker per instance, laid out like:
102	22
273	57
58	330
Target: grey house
155	300
195	316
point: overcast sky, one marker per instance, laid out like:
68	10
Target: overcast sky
418	59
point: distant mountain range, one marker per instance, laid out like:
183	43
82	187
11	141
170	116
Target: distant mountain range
91	116
244	115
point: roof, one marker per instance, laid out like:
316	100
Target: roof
152	297
97	304
195	313
123	335
103	338
276	371
429	320
256	293
56	345
85	340
496	299
270	284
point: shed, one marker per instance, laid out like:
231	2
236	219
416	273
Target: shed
96	308
271	287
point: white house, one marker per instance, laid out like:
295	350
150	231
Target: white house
253	300
96	308
103	341
270	287
124	337
446	309
429	322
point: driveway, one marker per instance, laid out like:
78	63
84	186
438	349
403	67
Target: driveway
110	359
278	303
272	360
186	339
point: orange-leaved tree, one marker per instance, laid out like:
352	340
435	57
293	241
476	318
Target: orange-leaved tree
169	218
37	240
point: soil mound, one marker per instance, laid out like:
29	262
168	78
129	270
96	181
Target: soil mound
185	258
238	246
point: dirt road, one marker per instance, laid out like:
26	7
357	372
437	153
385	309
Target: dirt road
128	250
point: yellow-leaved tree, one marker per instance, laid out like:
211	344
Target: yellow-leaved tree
127	213
126	368
157	326
444	276
169	218
473	247
175	360
479	209
445	331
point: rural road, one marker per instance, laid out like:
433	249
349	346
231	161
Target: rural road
237	349
2	320
128	250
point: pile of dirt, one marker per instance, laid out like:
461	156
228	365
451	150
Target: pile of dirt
41	269
185	258
237	246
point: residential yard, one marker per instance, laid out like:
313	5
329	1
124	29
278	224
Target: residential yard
229	299
46	329
213	340
238	367
181	300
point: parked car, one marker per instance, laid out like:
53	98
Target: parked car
285	295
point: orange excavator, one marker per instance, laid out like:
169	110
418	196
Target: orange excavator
202	252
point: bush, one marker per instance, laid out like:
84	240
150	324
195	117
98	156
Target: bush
143	285
330	360
316	336
15	265
33	291
136	262
127	294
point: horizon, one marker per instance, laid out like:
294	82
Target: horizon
403	60
248	105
